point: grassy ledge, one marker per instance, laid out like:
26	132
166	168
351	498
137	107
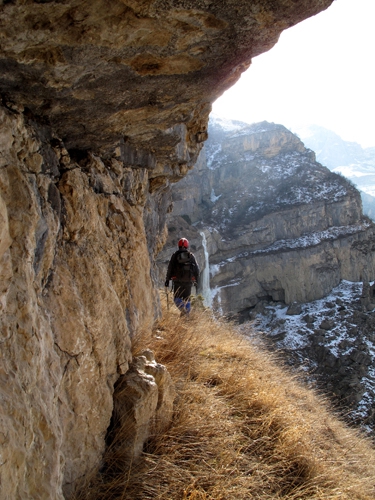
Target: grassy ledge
243	427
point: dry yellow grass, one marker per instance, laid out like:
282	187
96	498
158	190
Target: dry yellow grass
243	428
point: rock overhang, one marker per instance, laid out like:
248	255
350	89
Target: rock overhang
142	72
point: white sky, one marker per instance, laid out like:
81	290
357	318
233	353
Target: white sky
322	71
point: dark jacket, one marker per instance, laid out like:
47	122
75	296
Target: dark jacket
183	271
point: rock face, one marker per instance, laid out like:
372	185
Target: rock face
278	224
346	158
70	302
143	405
330	342
143	70
282	230
103	106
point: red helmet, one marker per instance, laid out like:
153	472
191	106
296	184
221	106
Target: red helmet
183	243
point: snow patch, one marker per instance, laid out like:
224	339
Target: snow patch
214	198
293	333
211	157
313	239
227	124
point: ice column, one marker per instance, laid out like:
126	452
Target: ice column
205	283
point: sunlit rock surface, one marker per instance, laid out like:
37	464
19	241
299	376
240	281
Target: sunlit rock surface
70	300
143	405
103	106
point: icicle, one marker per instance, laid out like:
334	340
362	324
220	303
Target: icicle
205	284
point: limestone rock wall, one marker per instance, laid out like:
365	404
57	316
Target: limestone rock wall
293	275
103	106
144	70
278	225
75	284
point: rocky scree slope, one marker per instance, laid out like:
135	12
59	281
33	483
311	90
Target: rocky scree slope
103	106
278	224
329	342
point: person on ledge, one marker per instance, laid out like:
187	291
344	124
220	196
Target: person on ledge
183	270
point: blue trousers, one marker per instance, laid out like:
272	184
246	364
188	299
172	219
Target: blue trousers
181	294
183	305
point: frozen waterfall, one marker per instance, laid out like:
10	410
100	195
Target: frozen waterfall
205	281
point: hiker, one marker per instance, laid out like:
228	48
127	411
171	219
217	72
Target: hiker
183	270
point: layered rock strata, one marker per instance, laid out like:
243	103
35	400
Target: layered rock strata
144	71
278	224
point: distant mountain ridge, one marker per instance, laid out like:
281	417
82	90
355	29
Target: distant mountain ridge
348	158
330	149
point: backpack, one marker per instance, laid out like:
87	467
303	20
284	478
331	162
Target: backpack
183	266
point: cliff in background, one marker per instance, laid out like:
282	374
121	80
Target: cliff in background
103	106
282	230
344	157
278	225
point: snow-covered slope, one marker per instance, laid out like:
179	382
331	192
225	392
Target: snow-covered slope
348	158
331	341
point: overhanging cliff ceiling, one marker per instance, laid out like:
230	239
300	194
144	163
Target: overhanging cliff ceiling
147	71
